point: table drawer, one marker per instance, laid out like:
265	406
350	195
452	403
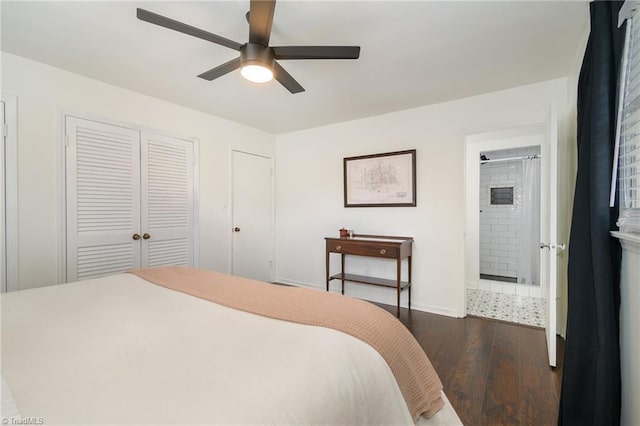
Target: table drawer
336	246
358	248
376	250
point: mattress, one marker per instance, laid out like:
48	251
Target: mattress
120	350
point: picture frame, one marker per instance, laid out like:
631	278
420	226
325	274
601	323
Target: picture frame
380	180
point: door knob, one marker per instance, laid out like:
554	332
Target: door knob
146	236
236	229
136	237
559	247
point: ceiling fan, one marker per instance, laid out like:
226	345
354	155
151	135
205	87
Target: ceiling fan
257	59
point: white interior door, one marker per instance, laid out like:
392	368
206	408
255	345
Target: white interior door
103	198
9	198
252	216
549	245
167	201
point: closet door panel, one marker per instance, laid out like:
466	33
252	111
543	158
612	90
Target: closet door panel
167	200
103	198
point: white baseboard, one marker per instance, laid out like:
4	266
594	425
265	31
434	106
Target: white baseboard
403	303
298	283
438	310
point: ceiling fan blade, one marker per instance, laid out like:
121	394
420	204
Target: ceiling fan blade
221	70
316	52
154	18
260	21
286	80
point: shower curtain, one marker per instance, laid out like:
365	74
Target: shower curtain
529	258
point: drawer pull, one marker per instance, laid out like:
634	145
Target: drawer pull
338	248
382	251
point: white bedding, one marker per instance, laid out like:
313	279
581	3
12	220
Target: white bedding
119	350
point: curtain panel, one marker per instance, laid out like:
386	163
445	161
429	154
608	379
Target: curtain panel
591	376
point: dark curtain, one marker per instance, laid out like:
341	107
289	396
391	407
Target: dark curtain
591	376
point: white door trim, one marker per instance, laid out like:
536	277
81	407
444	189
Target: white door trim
63	113
11	194
3	222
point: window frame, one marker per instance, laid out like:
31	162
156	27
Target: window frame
629	217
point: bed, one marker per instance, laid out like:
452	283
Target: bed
162	346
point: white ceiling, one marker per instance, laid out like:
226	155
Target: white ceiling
413	53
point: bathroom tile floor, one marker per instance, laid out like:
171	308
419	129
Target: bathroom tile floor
507	307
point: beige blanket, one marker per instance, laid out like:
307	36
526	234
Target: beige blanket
418	381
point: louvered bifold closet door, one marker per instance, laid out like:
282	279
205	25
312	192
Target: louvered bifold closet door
167	200
103	198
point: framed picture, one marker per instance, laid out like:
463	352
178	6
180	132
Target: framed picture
381	180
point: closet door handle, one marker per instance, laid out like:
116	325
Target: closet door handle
146	236
136	237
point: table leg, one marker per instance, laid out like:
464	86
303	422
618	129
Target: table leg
398	281
409	270
327	270
342	270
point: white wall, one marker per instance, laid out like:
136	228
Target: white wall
630	332
309	190
44	91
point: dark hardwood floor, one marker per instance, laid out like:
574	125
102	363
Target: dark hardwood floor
494	373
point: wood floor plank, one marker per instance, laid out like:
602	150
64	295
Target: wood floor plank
501	406
494	373
466	388
537	377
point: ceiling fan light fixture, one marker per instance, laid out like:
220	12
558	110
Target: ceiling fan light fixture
257	63
257	73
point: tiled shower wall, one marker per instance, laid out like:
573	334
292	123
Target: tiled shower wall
499	223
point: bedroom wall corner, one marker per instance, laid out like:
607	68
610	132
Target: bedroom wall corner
43	91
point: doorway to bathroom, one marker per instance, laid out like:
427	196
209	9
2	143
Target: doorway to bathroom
542	134
509	285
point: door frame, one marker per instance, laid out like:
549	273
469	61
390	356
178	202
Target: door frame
62	114
9	206
272	242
